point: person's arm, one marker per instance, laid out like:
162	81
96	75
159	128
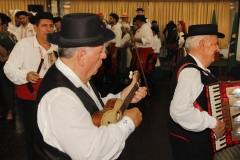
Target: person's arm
67	125
188	88
13	67
147	35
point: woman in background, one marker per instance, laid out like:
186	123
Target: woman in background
126	54
180	52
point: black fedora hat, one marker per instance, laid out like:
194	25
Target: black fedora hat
80	29
41	15
203	29
5	18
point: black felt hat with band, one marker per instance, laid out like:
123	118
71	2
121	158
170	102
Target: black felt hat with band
41	15
203	29
80	29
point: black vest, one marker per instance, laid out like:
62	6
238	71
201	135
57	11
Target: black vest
53	79
195	137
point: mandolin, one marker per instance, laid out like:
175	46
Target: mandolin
114	108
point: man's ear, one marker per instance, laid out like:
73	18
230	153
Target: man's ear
201	45
81	56
34	27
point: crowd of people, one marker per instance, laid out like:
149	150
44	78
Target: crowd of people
48	72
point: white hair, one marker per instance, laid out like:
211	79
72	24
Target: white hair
193	41
68	52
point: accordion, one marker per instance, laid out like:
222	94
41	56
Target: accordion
223	100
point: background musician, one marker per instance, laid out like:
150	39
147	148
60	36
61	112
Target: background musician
26	29
22	67
6	86
190	123
67	98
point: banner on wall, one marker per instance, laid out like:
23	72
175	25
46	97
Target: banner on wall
233	44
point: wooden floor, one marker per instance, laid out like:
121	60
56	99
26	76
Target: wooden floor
148	142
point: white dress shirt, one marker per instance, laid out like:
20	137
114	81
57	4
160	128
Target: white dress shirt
145	34
181	40
126	38
66	124
28	31
156	44
188	88
118	33
26	57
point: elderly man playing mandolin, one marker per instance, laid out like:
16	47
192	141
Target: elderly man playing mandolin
66	100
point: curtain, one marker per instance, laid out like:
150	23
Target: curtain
6	5
192	12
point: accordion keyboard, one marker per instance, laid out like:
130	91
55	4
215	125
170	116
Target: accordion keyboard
216	109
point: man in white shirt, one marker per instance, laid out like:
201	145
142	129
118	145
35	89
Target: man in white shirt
57	23
23	69
67	99
190	124
144	42
156	50
115	43
124	19
26	29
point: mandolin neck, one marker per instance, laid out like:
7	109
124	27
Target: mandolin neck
129	98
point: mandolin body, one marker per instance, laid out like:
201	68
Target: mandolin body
111	113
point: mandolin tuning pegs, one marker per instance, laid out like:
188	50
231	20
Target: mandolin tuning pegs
130	74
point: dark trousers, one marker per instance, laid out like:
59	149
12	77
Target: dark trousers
183	150
7	91
26	111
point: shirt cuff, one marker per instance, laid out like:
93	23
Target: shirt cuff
127	125
213	122
118	95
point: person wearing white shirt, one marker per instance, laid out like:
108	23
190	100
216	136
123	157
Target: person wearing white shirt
156	50
67	99
180	51
116	42
114	45
26	29
190	124
21	68
126	54
124	19
144	42
140	11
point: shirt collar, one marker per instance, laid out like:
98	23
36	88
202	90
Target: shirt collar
199	63
69	73
26	26
36	44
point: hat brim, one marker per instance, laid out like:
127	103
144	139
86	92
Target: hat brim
33	19
220	35
56	38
